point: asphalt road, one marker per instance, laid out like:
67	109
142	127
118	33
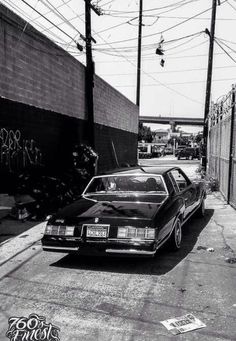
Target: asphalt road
188	166
101	299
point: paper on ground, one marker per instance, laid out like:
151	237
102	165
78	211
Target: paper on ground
183	324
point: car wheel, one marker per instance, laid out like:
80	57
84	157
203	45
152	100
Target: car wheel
201	209
176	236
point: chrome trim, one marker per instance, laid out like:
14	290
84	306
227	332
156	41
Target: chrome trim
130	240
60	248
131	252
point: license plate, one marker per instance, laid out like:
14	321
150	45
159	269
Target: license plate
97	231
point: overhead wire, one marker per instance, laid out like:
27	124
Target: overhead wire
152	45
162	31
150	76
65	33
60	15
153	9
170	71
154	60
34	20
216	40
30	20
176	83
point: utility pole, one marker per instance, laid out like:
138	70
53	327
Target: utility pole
208	84
139	51
89	75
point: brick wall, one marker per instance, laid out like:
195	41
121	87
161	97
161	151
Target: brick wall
113	109
42	96
37	72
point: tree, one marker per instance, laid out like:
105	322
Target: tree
198	137
144	133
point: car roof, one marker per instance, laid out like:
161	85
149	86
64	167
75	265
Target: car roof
159	170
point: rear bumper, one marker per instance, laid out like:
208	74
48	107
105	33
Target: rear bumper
108	247
131	252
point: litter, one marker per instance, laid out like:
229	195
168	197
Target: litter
183	324
231	260
209	249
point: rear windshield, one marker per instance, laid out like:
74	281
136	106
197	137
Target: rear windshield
126	183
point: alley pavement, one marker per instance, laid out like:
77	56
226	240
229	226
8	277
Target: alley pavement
124	299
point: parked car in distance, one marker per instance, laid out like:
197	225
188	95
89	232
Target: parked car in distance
168	151
189	153
128	212
178	149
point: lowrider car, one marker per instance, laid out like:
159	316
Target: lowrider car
127	212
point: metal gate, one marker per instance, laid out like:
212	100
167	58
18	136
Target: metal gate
222	145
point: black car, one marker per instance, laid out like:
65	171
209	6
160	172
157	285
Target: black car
178	149
189	153
129	212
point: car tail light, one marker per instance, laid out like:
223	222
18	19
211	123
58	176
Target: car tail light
48	229
136	233
69	230
54	230
122	232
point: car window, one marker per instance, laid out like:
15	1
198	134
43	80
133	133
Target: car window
180	180
126	183
174	184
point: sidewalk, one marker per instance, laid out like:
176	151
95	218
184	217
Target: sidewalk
224	218
223	221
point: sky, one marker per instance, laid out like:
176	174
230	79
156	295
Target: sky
178	88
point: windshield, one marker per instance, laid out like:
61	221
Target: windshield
126	183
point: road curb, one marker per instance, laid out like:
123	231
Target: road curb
13	247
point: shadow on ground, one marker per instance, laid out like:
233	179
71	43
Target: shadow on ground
162	263
10	228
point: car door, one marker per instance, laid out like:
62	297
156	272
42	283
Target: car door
186	189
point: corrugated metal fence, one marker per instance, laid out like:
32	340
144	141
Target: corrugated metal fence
222	145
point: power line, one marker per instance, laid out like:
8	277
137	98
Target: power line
227	41
150	76
163	31
58	14
112	27
171	71
225	51
177	17
156	14
25	2
30	20
153	9
230	48
149	46
176	83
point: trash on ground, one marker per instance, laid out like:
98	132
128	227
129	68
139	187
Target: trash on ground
209	249
231	260
183	324
182	290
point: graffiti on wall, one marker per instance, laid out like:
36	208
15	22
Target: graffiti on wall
17	153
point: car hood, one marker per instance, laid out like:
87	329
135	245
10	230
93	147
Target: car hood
131	207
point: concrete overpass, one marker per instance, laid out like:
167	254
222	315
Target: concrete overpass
173	121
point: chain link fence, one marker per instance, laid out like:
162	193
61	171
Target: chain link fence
222	145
